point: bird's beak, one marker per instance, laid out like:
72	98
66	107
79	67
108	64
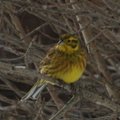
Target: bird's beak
60	41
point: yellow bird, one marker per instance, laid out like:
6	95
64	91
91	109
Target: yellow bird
66	61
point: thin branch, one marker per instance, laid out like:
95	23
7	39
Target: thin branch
66	107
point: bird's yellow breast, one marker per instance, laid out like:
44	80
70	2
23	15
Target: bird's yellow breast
71	75
67	67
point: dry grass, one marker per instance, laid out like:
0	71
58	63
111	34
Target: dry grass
29	28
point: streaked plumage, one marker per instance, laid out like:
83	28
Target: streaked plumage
66	61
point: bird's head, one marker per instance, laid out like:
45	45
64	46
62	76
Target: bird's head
68	43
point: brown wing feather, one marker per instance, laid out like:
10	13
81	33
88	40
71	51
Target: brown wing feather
50	63
56	61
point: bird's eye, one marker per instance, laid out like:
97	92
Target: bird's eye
68	41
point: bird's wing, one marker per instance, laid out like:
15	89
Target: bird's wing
52	63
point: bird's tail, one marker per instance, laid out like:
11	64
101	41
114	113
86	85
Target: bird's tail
35	91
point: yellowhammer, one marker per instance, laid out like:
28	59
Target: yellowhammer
65	61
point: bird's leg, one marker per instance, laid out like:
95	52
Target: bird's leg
75	87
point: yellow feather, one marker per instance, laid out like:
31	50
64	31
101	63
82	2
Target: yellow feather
66	61
72	75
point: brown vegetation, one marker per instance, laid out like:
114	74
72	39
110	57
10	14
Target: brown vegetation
28	28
